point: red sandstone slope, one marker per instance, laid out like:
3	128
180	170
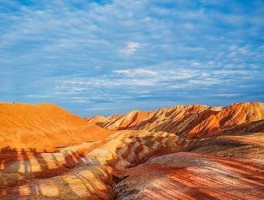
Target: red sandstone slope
191	121
43	126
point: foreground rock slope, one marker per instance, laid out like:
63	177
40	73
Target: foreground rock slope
183	152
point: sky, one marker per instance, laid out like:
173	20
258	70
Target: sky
106	57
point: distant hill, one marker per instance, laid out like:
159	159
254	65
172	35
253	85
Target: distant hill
192	121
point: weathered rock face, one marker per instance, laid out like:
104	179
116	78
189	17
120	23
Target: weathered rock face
217	153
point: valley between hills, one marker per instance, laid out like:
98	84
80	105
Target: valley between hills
181	152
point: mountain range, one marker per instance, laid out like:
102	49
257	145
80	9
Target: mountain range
181	152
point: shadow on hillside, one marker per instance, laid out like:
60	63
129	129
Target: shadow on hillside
137	150
28	173
23	173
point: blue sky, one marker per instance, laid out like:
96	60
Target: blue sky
105	57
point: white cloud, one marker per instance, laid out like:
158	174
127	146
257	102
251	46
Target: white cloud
227	95
131	48
161	74
151	79
140	72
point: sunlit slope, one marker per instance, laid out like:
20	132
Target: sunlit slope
43	126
